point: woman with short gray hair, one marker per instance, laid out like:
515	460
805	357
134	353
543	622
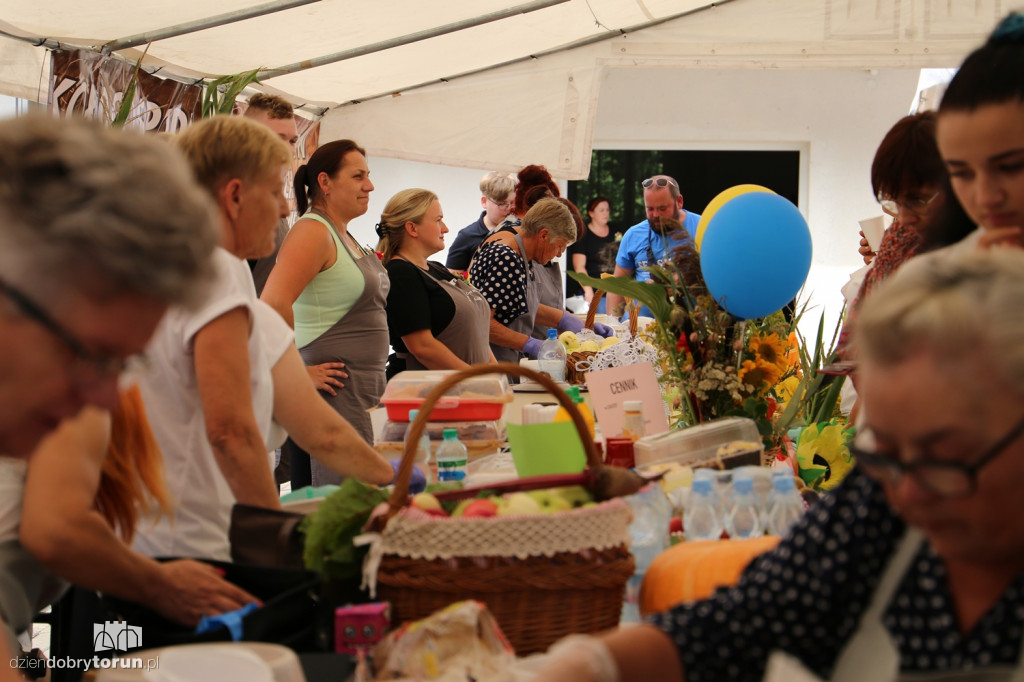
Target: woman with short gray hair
503	272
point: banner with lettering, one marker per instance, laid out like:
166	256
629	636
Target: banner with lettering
86	83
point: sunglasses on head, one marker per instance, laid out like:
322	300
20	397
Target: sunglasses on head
658	182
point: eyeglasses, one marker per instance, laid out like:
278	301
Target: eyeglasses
948	479
504	205
916	205
659	182
89	368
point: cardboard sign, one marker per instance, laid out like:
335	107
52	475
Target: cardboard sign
610	388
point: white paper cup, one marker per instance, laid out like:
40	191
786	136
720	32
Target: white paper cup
873	229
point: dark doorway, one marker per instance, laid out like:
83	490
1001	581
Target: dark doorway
616	174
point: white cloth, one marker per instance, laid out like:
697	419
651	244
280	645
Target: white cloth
201	495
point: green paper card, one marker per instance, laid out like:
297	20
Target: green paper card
543	449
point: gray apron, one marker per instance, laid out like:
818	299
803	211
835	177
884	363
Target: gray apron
524	323
549	292
466	335
360	340
870	653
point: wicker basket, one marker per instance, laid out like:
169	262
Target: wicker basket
537	595
577	363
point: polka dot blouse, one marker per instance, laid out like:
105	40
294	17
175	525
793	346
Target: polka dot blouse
499	273
807	597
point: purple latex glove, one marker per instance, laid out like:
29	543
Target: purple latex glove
569	323
417	481
532	347
603	330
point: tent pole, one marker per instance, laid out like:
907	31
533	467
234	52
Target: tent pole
407	39
201	24
615	33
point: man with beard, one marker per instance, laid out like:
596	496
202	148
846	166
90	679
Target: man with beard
648	243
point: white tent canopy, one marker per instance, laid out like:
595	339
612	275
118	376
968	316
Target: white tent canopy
483	84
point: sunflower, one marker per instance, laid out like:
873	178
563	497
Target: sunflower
759	374
770	349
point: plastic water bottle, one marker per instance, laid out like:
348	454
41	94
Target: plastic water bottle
451	458
744	519
551	357
422	459
787	507
649	537
701	518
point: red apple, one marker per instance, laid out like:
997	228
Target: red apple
480	509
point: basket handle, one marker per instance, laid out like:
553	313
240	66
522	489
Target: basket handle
400	495
592	310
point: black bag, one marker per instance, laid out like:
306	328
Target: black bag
266	537
291	613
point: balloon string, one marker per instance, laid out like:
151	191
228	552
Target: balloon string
741	327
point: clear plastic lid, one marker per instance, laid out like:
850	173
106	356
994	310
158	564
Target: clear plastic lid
415	385
717	438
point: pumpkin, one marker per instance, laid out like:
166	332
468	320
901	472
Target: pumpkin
691	571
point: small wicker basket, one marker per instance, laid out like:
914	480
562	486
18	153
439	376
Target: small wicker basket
537	593
577	363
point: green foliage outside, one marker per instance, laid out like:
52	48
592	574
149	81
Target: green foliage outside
616	174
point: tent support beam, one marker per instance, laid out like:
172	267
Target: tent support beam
616	33
201	24
525	8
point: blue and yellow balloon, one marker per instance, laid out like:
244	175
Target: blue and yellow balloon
756	254
717	203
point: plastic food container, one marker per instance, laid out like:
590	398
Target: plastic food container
733	441
479	437
479	398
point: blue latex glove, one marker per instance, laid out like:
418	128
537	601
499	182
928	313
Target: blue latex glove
417	481
569	323
603	330
532	347
232	620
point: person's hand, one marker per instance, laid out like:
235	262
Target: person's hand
865	250
588	294
194	590
417	481
327	376
569	323
578	658
603	330
1001	236
532	347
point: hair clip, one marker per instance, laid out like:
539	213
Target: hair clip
380	232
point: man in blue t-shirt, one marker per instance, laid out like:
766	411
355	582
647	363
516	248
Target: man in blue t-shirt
644	245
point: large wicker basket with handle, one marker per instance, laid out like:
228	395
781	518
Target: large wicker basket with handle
542	576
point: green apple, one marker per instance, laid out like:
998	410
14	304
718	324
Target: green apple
519	504
460	509
575	495
549	501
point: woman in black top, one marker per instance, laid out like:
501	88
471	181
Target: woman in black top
436	320
594	254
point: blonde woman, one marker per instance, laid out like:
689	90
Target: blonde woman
436	320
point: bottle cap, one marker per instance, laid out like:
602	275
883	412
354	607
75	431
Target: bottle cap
743	486
552	334
702	486
451	434
633	406
574	393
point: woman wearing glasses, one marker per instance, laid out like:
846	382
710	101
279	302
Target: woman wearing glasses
498	198
914	566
